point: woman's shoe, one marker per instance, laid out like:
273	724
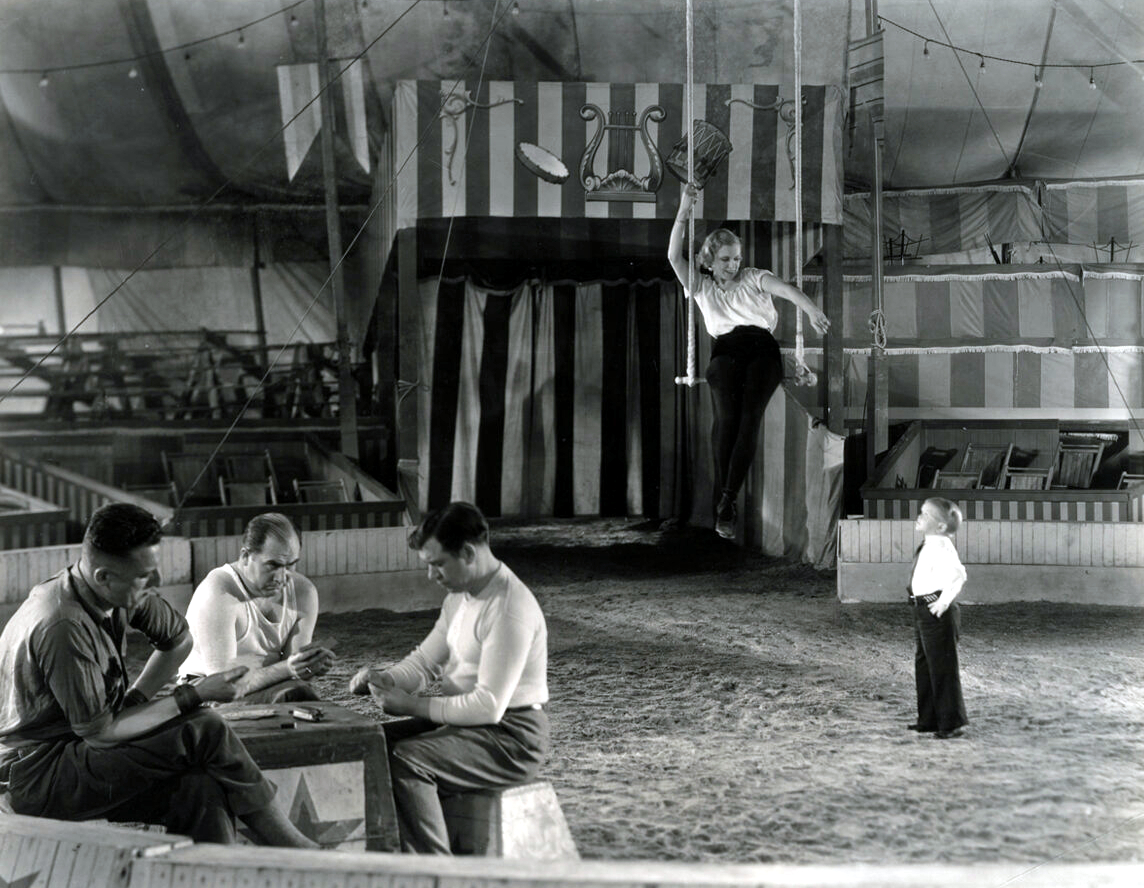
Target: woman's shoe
725	520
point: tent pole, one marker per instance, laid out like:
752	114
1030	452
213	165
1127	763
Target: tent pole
878	373
347	398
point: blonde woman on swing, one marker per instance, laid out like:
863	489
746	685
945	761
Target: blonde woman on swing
746	365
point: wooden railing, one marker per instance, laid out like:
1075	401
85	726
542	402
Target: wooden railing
77	493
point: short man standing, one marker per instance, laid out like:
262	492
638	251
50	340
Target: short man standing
489	649
77	743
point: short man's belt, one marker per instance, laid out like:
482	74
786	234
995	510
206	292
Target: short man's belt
525	708
924	599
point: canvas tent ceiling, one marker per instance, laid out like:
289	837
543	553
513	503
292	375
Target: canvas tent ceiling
75	131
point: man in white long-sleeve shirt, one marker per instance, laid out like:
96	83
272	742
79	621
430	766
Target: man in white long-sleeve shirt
489	650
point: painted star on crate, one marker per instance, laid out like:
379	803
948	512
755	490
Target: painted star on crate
22	882
304	815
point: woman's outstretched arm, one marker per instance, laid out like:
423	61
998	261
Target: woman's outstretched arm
778	287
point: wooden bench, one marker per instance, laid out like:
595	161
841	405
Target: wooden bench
70	854
516	822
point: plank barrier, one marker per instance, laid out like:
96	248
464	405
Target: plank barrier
37	852
1077	562
517	822
353	569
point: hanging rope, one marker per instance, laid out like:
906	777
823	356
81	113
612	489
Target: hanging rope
803	375
689	114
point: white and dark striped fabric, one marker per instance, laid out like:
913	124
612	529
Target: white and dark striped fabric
559	400
1063	341
463	164
935	221
1106	216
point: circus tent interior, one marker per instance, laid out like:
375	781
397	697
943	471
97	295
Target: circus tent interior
171	174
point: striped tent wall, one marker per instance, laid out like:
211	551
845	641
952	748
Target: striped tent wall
1104	215
944	220
559	399
1095	212
1034	305
1066	342
456	142
1066	384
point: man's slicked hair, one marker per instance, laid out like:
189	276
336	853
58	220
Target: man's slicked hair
118	529
267	525
452	526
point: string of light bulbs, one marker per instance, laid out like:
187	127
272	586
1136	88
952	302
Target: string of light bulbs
46	71
1036	66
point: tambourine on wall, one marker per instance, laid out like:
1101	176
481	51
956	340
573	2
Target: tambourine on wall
711	147
542	162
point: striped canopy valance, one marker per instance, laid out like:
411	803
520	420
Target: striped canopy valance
455	149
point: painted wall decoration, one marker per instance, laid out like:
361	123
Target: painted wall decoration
464	164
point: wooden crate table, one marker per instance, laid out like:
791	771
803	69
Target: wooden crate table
332	775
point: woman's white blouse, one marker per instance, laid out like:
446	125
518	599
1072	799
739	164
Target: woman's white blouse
745	302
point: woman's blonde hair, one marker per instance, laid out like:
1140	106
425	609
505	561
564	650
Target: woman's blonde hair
720	237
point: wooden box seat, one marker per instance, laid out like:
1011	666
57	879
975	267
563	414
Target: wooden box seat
518	822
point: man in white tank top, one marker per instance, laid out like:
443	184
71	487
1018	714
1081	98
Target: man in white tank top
259	612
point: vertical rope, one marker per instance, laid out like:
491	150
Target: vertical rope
803	374
690	122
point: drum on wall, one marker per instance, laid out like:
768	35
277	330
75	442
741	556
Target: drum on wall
542	162
711	146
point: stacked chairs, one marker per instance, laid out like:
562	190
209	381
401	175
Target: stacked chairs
990	460
321	491
1077	464
955	480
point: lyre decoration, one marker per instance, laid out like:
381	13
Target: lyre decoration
454	105
711	146
621	183
785	110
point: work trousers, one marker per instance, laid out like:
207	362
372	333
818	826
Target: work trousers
745	369
192	774
428	761
936	671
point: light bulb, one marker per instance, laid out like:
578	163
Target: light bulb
1091	79
982	65
516	9
133	72
925	49
44	81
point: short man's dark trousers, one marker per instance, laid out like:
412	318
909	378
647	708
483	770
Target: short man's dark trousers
936	671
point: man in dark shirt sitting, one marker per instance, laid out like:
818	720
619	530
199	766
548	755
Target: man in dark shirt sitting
76	742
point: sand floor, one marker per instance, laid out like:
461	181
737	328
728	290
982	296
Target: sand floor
709	704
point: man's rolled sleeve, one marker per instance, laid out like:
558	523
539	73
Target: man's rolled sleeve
159	621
